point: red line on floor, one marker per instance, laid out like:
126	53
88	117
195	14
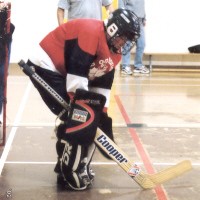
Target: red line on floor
161	195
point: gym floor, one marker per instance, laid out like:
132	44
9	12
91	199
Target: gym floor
156	121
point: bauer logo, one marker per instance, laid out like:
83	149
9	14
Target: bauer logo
112	151
79	115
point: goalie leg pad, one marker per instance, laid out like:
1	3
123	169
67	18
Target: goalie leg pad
84	117
90	153
59	149
73	166
105	125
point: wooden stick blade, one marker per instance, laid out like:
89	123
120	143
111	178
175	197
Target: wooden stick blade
149	181
171	172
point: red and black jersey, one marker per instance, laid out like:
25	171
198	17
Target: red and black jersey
80	52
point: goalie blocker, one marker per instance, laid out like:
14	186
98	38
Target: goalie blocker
84	117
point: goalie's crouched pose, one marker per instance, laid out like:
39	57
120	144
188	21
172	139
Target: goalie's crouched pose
78	61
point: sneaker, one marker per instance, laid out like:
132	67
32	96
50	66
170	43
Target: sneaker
142	70
126	70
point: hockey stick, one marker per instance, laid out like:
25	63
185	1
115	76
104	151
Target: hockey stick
146	181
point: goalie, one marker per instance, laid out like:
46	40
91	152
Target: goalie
78	60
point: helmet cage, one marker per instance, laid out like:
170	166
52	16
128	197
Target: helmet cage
128	45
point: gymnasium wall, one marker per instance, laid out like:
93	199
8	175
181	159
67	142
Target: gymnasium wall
172	25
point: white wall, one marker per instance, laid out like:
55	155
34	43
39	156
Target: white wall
172	25
32	20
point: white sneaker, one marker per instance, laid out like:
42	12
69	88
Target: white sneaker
142	70
127	70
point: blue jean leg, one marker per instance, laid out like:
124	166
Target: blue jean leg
126	59
140	46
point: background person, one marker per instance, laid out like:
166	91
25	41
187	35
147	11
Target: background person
5	42
82	9
138	7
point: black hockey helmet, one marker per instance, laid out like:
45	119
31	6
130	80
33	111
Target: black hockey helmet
123	24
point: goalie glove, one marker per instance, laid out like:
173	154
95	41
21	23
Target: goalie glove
84	116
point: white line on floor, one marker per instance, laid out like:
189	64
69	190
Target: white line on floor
32	125
52	124
182	125
14	129
93	163
156	84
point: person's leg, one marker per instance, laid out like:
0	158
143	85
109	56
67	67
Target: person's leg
140	46
126	69
90	153
2	68
1	90
76	135
71	167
